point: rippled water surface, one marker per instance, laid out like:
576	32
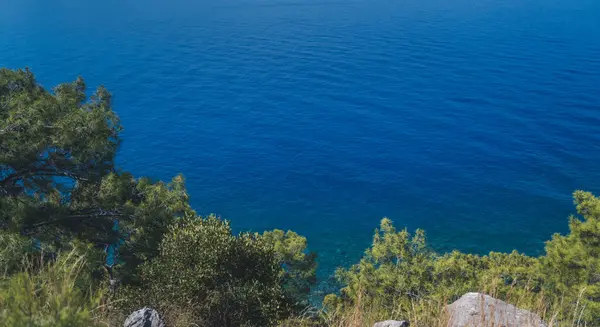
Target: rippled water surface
473	119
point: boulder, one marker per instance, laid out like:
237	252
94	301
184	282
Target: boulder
392	323
480	310
145	317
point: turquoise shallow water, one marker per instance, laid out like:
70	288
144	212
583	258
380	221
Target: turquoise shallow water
472	119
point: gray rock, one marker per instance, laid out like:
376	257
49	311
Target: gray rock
145	317
480	310
392	323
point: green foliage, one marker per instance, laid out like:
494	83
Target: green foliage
145	210
299	267
13	249
571	266
56	295
44	135
454	274
57	176
512	275
214	277
51	143
398	270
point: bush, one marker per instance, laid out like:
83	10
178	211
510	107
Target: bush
571	266
396	269
400	277
298	266
205	275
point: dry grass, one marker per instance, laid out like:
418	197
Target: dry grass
59	280
48	294
431	313
422	313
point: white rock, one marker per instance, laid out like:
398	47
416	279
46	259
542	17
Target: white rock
392	323
145	317
480	310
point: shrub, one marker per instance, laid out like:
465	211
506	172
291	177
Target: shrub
398	267
205	275
571	266
298	266
399	275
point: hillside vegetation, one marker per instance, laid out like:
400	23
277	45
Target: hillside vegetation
83	243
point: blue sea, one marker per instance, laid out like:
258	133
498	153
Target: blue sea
472	119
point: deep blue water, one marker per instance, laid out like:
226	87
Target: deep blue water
473	119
